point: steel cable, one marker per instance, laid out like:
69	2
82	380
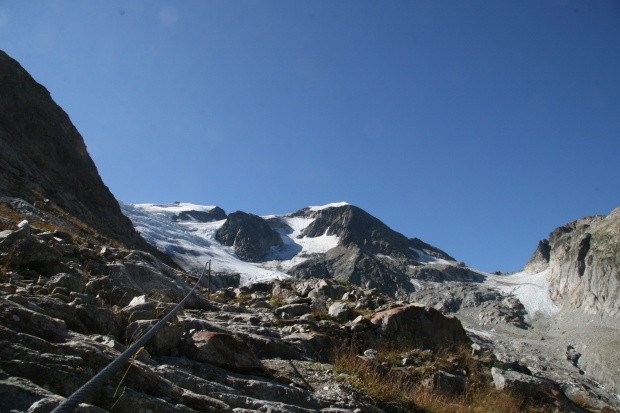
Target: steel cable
87	390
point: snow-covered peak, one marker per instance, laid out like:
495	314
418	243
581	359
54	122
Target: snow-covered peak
173	208
332	205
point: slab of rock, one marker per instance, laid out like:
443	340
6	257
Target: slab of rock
416	326
446	383
19	394
292	310
164	343
223	350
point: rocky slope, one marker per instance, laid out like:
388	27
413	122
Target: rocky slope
70	306
45	162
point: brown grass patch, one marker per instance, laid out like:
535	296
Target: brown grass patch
386	383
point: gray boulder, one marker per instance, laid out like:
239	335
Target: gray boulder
533	387
340	311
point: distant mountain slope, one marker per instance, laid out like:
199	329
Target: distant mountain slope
45	162
338	241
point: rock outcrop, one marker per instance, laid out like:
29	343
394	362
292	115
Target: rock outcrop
249	235
584	262
215	214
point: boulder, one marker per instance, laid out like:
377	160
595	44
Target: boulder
314	345
19	394
416	326
446	383
20	318
223	350
533	387
22	249
340	312
292	310
72	282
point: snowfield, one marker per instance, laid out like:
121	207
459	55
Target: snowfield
192	243
531	289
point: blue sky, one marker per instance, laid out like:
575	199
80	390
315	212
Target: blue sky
477	126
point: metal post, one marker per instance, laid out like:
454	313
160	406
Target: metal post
209	284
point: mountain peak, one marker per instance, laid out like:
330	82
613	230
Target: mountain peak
45	161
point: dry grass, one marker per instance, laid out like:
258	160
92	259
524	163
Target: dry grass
9	213
14	216
386	384
276	301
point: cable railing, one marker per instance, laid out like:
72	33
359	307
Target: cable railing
88	390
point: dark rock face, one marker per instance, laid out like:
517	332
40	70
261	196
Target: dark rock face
249	235
540	259
443	272
357	228
44	159
216	214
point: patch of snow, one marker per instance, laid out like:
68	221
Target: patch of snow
416	284
297	249
424	258
531	289
332	205
480	333
173	208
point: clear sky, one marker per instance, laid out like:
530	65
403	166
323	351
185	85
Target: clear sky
477	126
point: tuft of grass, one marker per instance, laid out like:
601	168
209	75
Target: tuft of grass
388	385
276	301
321	315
